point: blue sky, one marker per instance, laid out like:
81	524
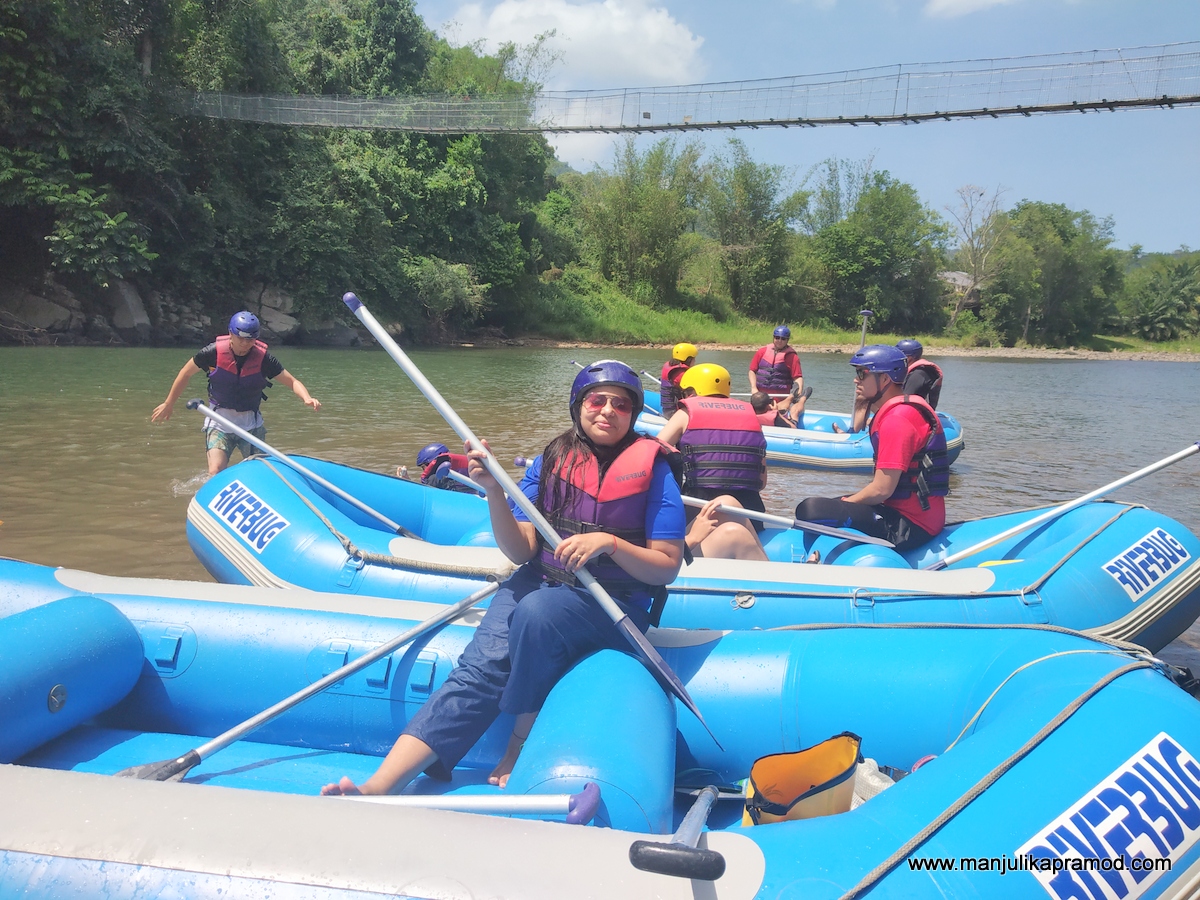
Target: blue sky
1140	167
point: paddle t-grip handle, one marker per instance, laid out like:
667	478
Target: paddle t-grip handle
677	860
584	805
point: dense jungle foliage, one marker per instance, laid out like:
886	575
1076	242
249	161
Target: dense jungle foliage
100	179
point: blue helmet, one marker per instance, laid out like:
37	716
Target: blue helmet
244	324
430	452
910	347
607	371
782	332
882	359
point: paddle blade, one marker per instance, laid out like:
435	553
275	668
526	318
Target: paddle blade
166	770
658	666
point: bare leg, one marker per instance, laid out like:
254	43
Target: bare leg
516	741
218	460
406	760
722	536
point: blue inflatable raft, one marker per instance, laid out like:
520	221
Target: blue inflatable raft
816	445
1062	766
1111	569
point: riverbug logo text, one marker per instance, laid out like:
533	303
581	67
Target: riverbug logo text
250	518
1144	564
1115	842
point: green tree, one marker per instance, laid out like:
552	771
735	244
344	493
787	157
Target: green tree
885	255
747	212
1058	276
634	216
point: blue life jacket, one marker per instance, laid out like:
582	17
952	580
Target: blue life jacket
723	446
928	474
231	388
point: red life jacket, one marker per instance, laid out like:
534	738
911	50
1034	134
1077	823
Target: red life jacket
670	393
934	391
615	503
231	388
766	418
928	473
723	446
458	463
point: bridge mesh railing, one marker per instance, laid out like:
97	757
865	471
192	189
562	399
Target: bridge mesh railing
1161	75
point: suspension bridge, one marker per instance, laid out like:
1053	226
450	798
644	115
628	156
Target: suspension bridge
1166	76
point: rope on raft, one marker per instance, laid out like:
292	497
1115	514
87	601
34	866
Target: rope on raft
383	559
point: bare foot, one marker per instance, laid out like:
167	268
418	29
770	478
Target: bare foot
342	788
504	768
837	429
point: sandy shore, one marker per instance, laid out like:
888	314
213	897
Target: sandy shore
931	351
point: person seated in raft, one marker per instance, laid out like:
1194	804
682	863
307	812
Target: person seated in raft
766	412
905	501
436	461
612	495
724	461
924	379
683	357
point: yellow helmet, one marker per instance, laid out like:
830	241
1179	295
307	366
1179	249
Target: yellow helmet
707	380
683	352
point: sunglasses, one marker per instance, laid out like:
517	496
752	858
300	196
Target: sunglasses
595	402
861	373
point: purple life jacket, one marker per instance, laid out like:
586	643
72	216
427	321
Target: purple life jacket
615	503
723	446
774	376
229	388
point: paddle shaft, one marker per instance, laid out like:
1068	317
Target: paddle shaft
175	769
866	317
1065	508
446	615
262	445
521	804
643	647
784	522
464	480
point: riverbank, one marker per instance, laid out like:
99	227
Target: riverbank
932	349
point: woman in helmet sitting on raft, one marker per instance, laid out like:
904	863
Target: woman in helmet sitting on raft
612	495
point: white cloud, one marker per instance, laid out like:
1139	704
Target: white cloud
615	43
951	8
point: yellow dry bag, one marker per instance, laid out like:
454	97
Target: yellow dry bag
818	781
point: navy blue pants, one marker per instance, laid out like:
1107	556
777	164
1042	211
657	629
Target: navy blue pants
531	635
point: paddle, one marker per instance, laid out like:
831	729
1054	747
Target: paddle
578	808
262	445
680	856
176	769
464	480
645	651
1060	510
866	317
784	522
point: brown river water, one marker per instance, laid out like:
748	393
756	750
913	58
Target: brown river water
87	482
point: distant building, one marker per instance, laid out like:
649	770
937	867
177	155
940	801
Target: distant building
960	281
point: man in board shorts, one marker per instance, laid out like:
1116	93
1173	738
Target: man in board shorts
239	369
